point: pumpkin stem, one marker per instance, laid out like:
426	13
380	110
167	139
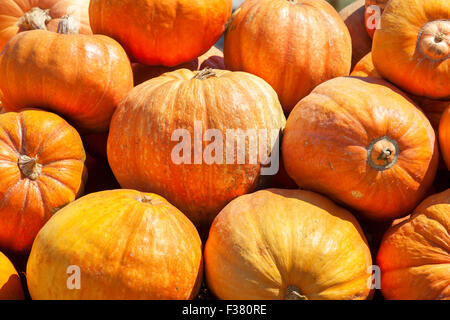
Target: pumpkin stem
146	199
205	74
34	19
29	167
68	25
293	293
433	41
382	153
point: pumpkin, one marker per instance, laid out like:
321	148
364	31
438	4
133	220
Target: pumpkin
123	245
444	136
412	48
212	59
372	15
365	68
414	256
23	15
155	126
353	16
363	143
10	285
293	45
161	32
41	170
87	76
287	244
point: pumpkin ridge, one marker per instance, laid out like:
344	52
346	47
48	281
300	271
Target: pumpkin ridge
49	138
59	182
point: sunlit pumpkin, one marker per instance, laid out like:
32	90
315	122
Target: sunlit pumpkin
10	285
363	143
444	136
287	244
116	245
414	255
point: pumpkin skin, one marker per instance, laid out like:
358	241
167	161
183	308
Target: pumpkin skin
444	136
371	16
273	40
365	68
269	245
176	31
353	16
217	99
361	142
10	285
87	76
412	48
23	15
42	169
414	256
212	59
128	246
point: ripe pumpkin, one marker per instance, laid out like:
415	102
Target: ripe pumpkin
412	48
212	59
10	285
181	106
353	16
444	136
372	15
161	32
365	68
293	45
23	15
414	256
361	142
287	244
41	170
125	245
87	76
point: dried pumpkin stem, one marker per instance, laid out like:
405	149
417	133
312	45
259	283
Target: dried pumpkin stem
389	154
29	167
68	25
433	41
205	74
34	19
293	293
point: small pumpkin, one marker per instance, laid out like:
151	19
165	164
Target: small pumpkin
124	244
353	16
365	68
161	32
444	136
41	170
372	15
23	15
10	284
414	256
412	47
287	244
87	76
363	143
182	129
293	45
212	59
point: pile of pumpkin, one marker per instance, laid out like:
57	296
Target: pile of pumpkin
357	152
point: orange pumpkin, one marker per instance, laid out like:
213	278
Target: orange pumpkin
360	141
444	136
80	77
212	59
41	170
372	15
412	48
166	116
161	32
353	16
414	256
287	244
293	45
116	245
365	68
10	285
23	15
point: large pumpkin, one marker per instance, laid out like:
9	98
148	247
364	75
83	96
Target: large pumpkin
412	47
80	77
363	143
119	244
10	284
293	45
212	59
161	32
414	256
23	15
287	244
444	136
372	15
353	16
41	170
170	136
